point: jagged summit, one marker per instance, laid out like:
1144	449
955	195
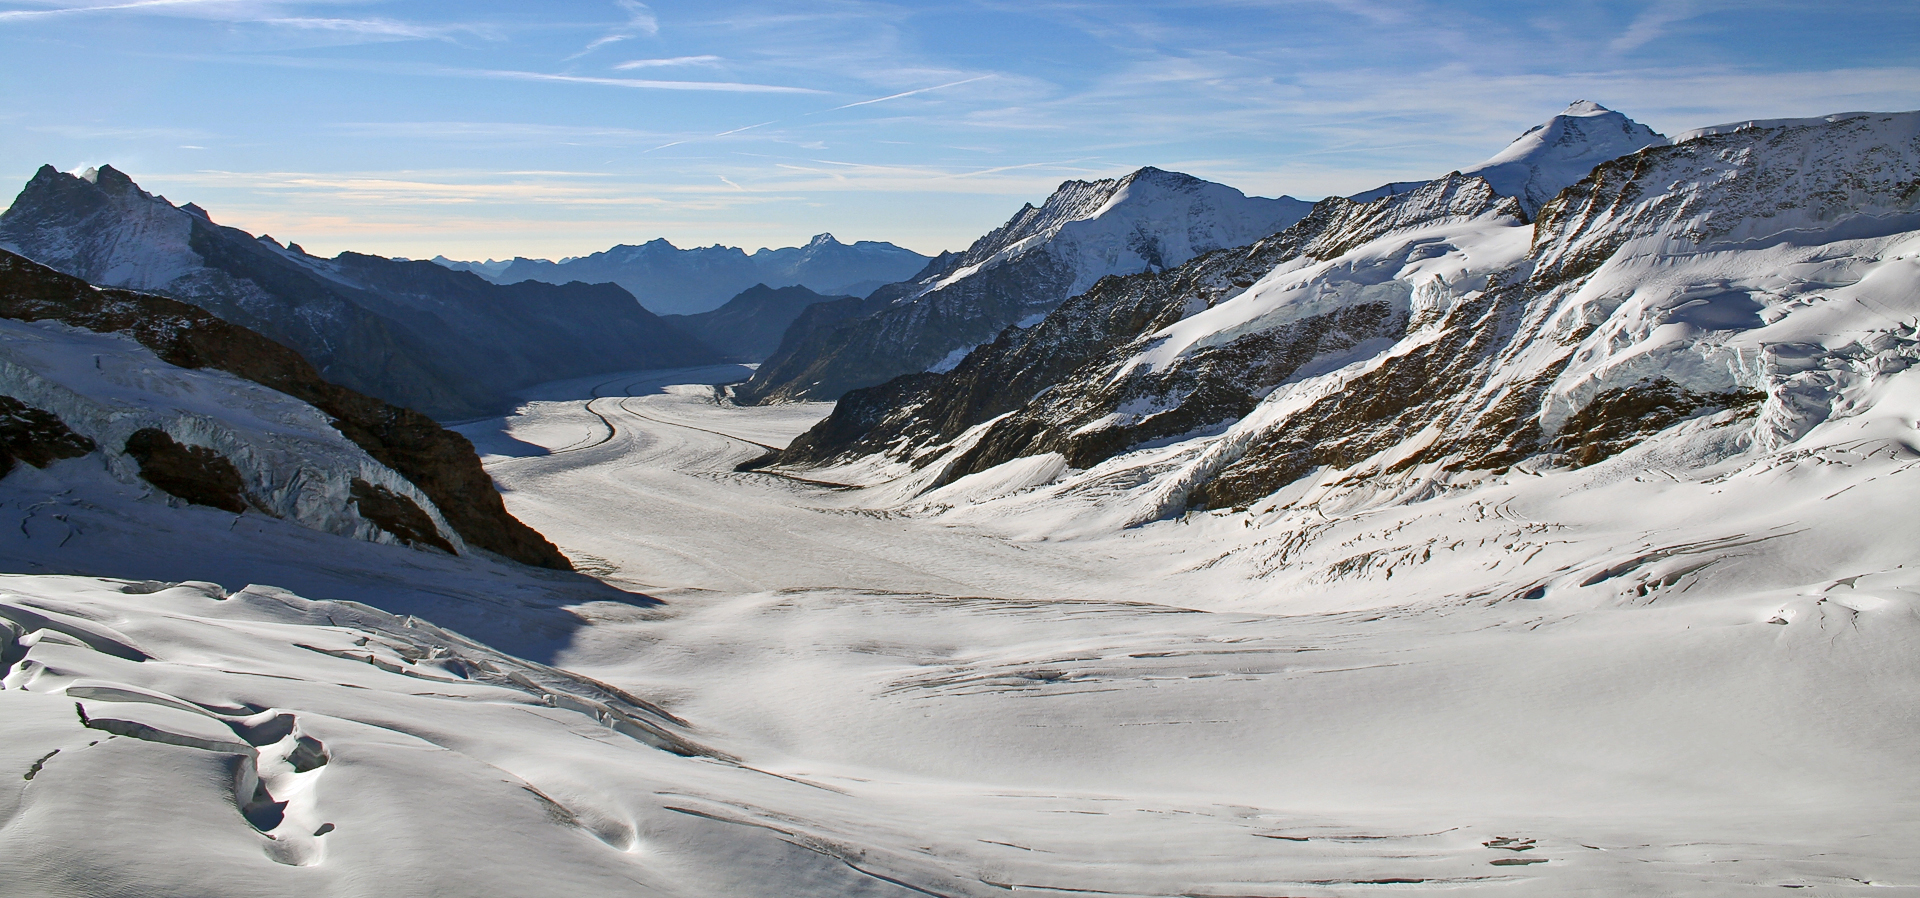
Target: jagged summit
1555	154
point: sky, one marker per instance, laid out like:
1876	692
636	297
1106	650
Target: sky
555	128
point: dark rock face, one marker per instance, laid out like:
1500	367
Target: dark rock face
670	280
1427	386
35	436
1616	419
194	473
803	365
416	334
749	327
397	515
438	461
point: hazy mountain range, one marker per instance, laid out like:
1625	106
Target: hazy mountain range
673	281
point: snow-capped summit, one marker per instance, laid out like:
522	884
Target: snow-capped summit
1150	219
1555	154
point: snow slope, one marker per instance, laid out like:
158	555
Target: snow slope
1147	220
933	700
294	464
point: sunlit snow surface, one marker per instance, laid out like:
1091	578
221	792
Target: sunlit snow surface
1630	679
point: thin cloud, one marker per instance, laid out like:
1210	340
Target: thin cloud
1653	23
672	61
910	93
640	22
370	27
636	83
16	14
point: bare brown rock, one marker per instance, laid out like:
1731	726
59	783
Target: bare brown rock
35	436
194	473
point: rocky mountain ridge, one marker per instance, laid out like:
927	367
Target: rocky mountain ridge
1728	293
749	326
1148	220
413	333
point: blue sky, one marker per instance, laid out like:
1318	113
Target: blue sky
488	129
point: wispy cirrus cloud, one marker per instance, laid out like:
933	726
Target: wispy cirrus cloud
271	14
14	15
909	93
640	22
669	61
636	83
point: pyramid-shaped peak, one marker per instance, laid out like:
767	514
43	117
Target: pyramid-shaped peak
822	239
1562	150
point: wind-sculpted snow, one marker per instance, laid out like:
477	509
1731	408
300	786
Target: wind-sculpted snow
1564	581
1149	220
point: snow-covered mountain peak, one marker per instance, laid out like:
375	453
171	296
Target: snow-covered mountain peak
1148	218
1556	153
821	239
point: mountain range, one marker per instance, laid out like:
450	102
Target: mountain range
673	281
1716	292
1541	528
749	327
1148	220
444	342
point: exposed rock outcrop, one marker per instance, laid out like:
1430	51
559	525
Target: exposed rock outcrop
1748	278
196	474
442	464
35	436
